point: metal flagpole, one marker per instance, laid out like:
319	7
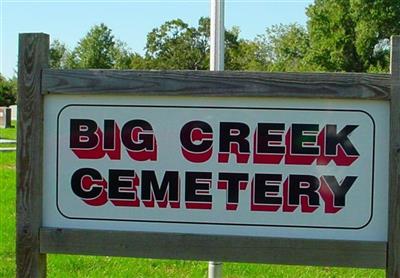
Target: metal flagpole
217	51
217	43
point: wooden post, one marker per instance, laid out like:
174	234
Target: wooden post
393	267
33	57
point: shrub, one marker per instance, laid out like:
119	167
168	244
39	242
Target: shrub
8	91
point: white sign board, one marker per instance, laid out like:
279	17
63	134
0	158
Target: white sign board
237	166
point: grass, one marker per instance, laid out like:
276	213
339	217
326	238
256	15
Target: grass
7	214
9	133
91	266
7	145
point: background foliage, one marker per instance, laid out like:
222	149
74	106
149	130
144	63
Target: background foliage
8	91
341	35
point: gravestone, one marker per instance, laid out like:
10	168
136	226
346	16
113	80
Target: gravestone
5	117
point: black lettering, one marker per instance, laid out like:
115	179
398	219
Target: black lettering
339	190
145	137
305	185
304	136
82	134
121	185
266	185
197	190
267	133
109	135
233	181
188	140
77	183
333	139
169	186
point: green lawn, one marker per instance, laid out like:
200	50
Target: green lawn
89	266
7	145
9	133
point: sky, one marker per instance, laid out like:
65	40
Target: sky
130	20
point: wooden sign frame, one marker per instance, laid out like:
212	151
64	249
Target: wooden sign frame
34	241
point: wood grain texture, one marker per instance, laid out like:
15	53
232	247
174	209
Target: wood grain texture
205	83
215	248
393	267
33	57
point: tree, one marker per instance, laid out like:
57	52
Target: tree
122	56
249	56
377	21
176	45
99	49
283	48
139	62
345	34
58	54
8	91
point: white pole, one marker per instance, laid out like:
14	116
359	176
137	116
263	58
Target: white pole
217	51
217	32
214	270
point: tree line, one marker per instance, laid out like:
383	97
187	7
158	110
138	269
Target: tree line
340	36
